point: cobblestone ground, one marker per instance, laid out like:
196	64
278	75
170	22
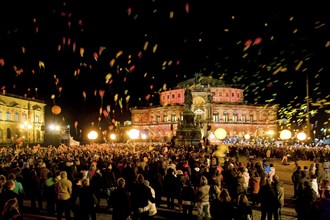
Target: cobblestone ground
283	171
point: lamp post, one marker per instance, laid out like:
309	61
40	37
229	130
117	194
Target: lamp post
133	135
26	127
222	149
308	134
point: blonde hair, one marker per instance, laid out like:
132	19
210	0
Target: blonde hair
203	181
63	174
121	182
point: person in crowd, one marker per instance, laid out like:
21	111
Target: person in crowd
278	188
35	191
19	190
152	206
140	197
295	177
255	187
188	199
246	176
63	189
203	199
244	209
171	187
88	201
3	180
7	193
326	166
109	181
268	200
320	173
324	202
77	186
223	208
271	171
305	201
11	210
49	193
122	205
314	184
96	182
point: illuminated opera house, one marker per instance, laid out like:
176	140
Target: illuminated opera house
215	105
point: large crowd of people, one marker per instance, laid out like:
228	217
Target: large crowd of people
135	181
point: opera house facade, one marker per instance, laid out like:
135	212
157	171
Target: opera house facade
215	105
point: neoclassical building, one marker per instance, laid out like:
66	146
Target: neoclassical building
215	105
22	120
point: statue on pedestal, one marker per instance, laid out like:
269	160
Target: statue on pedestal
188	99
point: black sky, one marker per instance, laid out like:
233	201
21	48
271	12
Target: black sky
71	48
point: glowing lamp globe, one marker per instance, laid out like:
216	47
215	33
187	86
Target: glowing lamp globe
285	134
301	136
113	136
220	133
247	136
133	133
92	135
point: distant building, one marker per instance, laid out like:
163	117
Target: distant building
215	105
22	120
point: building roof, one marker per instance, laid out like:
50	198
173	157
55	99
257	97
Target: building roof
202	81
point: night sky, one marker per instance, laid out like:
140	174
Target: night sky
68	53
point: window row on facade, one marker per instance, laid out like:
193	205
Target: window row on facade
225	117
17	117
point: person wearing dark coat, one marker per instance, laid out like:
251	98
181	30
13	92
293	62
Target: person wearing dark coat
109	182
306	198
140	195
188	199
87	201
171	187
7	193
121	201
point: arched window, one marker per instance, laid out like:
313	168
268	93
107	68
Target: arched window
173	117
225	117
8	116
24	116
215	116
243	118
157	118
165	118
251	118
37	119
16	117
234	117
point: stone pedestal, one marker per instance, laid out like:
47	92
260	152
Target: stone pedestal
187	132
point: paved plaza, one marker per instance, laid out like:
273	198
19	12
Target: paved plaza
283	171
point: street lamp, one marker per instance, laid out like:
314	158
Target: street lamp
26	127
222	149
301	136
113	136
133	135
247	137
285	134
220	133
92	135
